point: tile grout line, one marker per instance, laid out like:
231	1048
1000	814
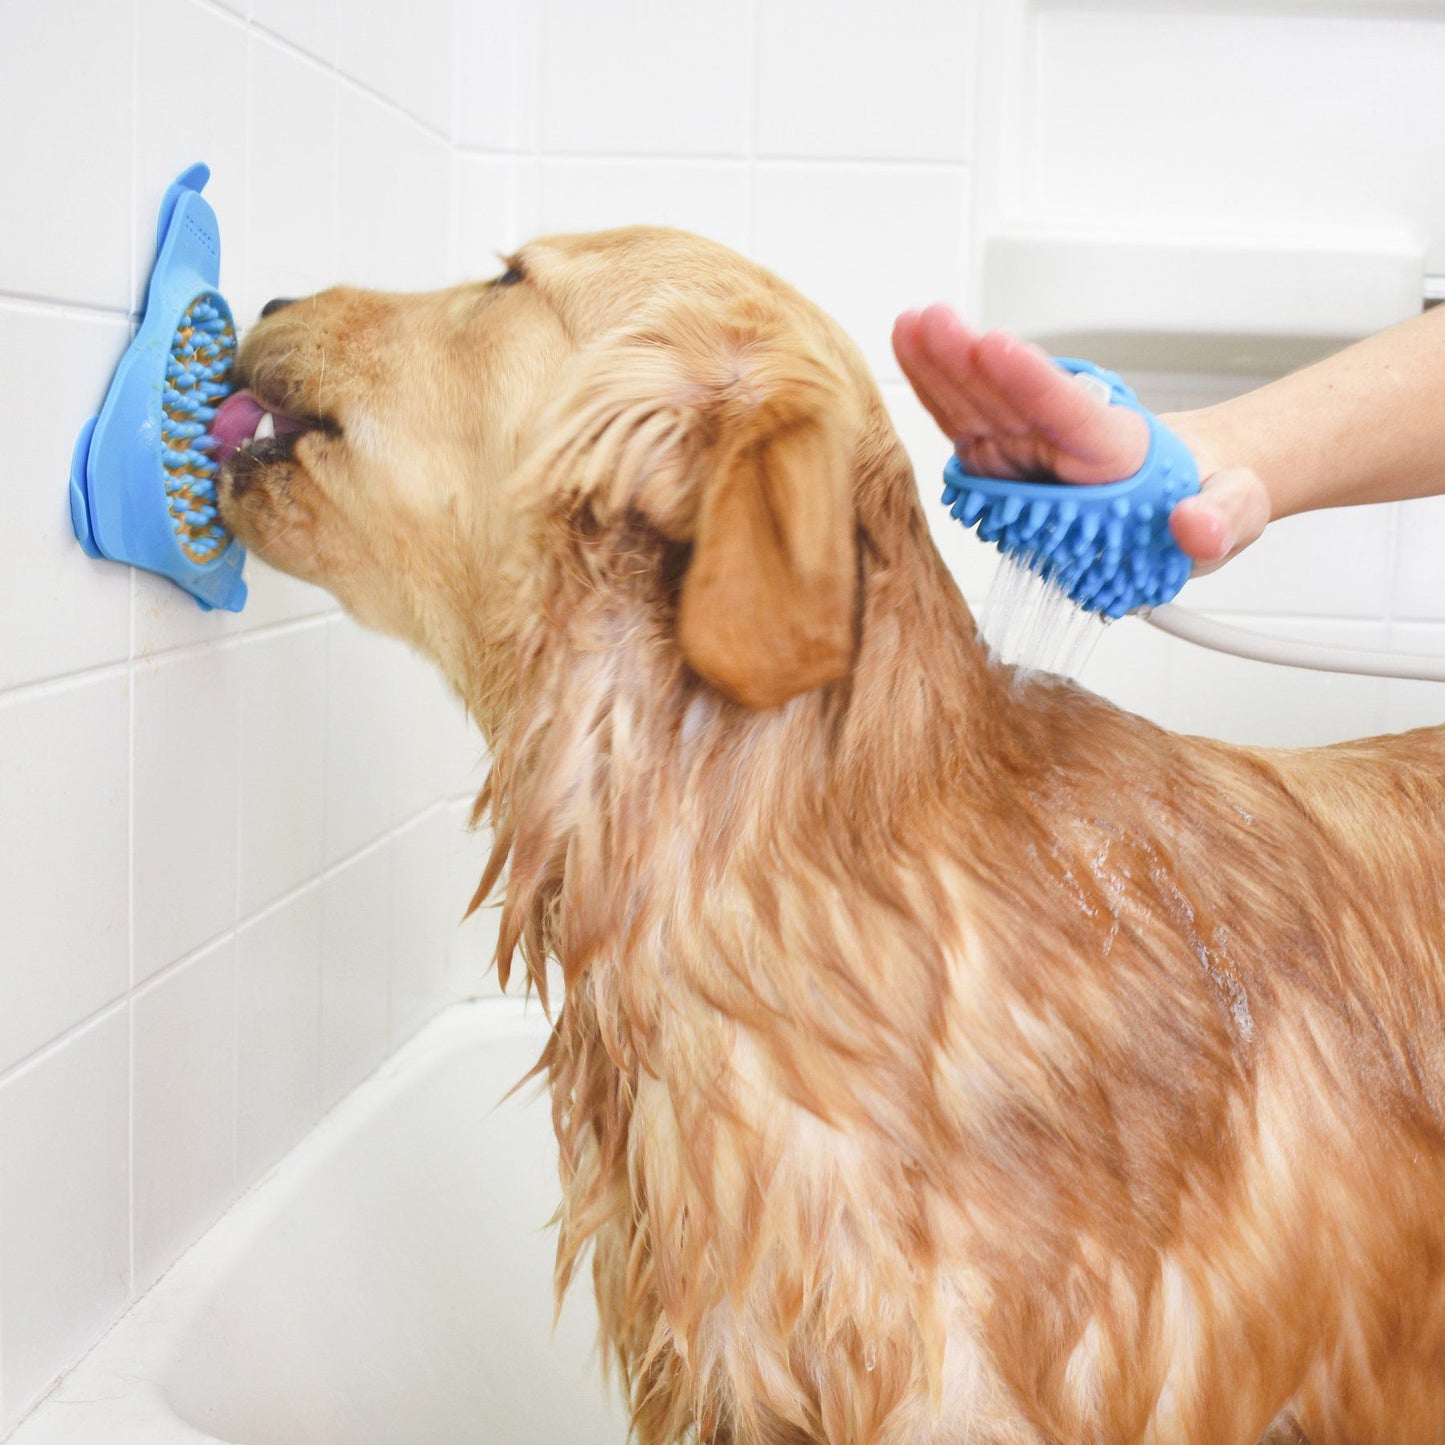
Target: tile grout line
283	42
44	1052
737	160
233	932
72	309
264	32
98	672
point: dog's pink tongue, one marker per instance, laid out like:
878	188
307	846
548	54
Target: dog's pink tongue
236	420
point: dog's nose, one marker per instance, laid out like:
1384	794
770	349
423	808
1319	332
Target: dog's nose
275	304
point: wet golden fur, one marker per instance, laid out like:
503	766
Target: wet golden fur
946	1055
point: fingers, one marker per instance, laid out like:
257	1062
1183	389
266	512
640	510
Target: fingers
912	357
935	350
1091	440
1011	412
954	356
1008	409
1229	512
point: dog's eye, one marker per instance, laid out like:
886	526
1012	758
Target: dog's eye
510	277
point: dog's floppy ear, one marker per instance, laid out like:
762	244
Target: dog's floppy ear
769	597
724	427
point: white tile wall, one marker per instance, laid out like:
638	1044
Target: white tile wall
166	30
402	53
394	210
189	974
384	730
1330	564
472	945
356	935
425	913
186	803
1281	150
310	25
64	839
283	763
712	198
1419	562
496	70
64	1183
494	210
74	244
233	846
278	1031
183	1045
839	77
865	241
47	354
292	160
1253	702
645	77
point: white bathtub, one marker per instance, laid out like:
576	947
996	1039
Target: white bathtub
389	1284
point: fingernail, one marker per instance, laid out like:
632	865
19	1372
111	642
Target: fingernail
1223	531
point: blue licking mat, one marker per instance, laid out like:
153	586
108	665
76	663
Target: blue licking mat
1108	546
142	482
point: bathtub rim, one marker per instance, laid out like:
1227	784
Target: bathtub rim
113	1392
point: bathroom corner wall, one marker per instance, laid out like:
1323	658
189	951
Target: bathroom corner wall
231	847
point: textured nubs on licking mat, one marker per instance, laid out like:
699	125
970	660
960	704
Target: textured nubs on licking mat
198	379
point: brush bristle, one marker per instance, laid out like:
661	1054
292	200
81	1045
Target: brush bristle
198	379
1112	554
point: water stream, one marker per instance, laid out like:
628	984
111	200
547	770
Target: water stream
1034	625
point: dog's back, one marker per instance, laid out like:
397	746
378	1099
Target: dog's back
1009	1069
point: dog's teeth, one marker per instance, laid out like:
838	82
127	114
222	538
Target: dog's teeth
265	428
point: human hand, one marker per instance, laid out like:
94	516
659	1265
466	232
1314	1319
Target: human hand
1010	412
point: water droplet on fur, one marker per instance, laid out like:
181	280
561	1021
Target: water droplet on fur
870	1357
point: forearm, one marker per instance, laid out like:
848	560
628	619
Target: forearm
1364	425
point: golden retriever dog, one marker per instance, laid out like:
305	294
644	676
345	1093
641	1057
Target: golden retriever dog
946	1055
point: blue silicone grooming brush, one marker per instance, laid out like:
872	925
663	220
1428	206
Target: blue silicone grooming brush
142	482
1107	546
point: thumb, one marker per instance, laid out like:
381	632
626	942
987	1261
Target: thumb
1229	512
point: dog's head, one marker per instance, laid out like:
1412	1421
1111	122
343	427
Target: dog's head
639	383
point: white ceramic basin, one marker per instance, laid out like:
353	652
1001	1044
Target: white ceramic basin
388	1284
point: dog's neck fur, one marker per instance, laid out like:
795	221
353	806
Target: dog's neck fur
608	751
766	919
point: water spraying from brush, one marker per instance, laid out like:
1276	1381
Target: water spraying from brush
1034	624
